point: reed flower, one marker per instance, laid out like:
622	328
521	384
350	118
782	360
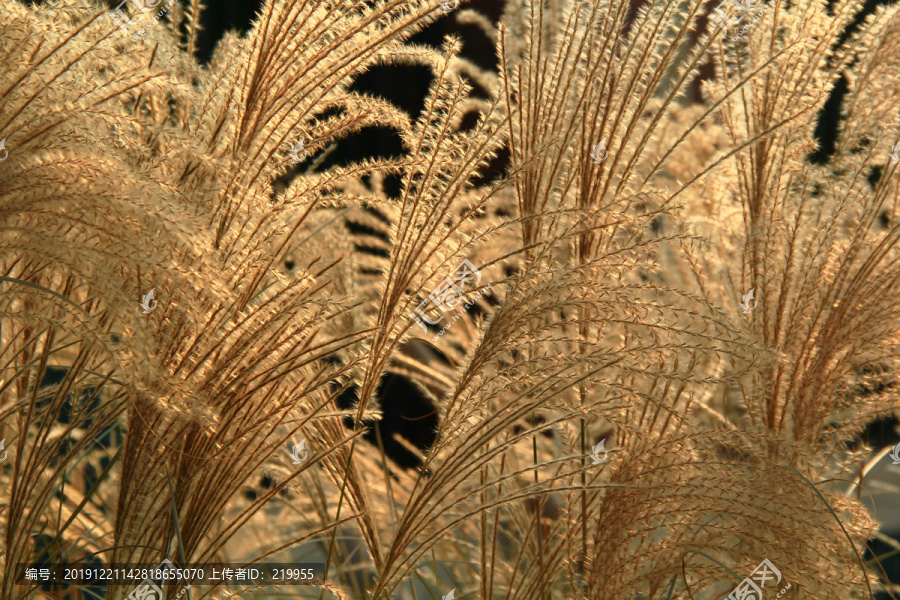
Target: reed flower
674	288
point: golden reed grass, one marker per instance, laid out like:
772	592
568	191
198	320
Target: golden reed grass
616	274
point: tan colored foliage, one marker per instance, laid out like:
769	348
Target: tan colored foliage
613	309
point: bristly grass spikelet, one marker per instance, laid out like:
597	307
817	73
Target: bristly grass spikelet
187	286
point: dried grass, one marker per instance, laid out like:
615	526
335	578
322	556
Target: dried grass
132	168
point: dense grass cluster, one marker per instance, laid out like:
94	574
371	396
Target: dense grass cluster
604	299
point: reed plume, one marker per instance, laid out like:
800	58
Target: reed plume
596	291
